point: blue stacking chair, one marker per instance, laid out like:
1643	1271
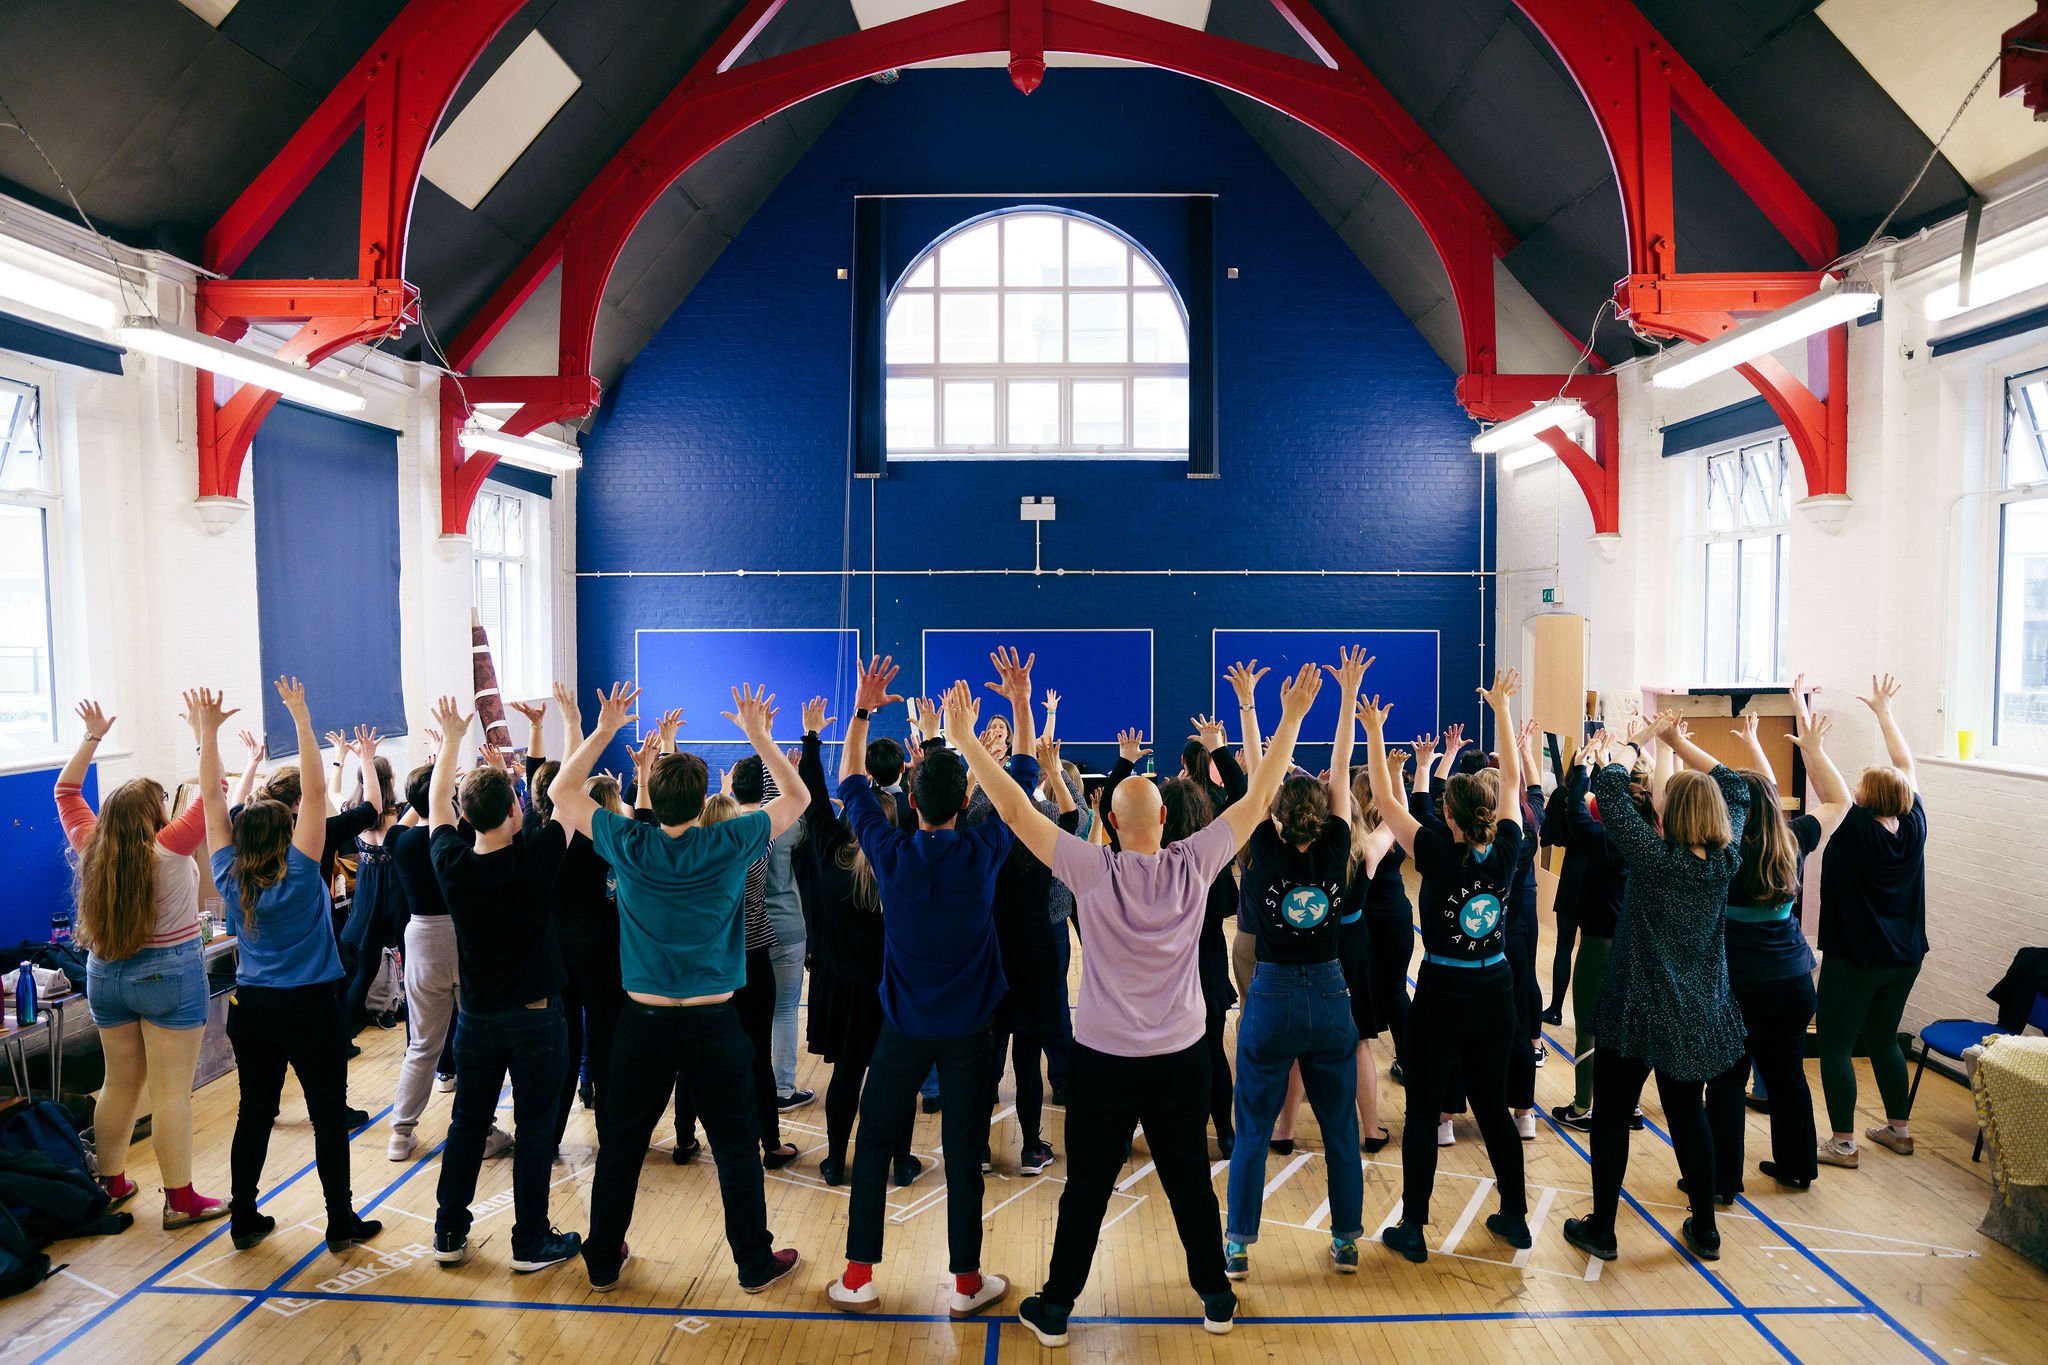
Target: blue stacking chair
1953	1037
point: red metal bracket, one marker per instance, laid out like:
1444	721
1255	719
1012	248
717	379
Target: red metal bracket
1027	44
1497	397
2023	60
541	399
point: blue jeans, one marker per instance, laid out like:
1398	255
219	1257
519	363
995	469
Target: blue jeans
929	1088
532	1044
165	986
1290	1014
788	961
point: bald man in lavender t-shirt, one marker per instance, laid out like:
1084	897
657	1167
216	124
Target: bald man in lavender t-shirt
1139	1055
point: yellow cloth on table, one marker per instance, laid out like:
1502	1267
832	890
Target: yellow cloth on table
2011	1087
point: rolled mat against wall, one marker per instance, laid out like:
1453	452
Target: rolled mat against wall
490	707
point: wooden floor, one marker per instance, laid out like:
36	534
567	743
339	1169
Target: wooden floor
1879	1264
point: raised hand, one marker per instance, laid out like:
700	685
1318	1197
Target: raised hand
336	740
1454	740
644	756
1209	731
671	721
1049	756
926	718
1813	729
1506	682
293	694
962	710
258	751
1640	729
1350	670
1130	746
1594	750
97	722
615	708
1013	678
367	740
1052	698
873	692
1373	716
1298	693
815	719
1745	728
572	714
434	740
1883	687
753	710
203	712
494	757
1244	680
532	710
448	711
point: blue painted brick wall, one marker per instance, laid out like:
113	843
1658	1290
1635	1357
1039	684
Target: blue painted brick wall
724	445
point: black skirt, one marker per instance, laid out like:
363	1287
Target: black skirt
1354	952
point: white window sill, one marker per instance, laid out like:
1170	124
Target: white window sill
53	761
2004	767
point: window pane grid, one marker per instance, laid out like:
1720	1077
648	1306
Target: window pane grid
1035	332
1745	568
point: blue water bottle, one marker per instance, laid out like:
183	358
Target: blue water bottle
24	996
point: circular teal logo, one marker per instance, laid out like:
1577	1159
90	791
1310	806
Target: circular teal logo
1479	915
1306	907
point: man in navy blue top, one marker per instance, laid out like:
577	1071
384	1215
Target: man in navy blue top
942	977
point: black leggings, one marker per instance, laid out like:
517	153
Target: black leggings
1617	1086
1025	1050
1561	960
1775	1014
842	1100
1521	950
1464	1030
1222	1095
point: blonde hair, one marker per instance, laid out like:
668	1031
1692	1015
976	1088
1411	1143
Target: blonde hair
117	871
718	809
1695	814
1365	817
867	892
605	791
1471	805
1885	791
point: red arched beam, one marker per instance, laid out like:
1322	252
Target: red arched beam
1634	82
2023	60
1497	397
397	94
1345	104
549	398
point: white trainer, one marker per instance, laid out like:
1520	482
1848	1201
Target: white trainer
993	1287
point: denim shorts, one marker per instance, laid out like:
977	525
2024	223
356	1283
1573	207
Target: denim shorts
165	986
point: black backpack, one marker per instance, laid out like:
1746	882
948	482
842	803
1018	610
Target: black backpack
21	1265
50	1201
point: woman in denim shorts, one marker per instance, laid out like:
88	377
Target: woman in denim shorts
138	914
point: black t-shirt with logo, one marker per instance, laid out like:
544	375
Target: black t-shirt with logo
1294	897
1462	914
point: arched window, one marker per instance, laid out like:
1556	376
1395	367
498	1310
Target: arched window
1035	332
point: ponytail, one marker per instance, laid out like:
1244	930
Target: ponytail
1469	804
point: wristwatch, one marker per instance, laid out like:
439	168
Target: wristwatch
860	713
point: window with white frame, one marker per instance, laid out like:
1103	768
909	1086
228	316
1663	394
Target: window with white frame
2020	717
1747	509
28	516
1035	332
510	587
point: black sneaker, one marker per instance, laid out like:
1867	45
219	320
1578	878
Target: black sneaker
1047	1321
795	1099
451	1248
1724	1200
1707	1247
1514	1231
554	1249
1037	1156
1790	1182
1571	1116
1553	1016
1407	1239
247	1233
1280	1146
354	1051
358	1119
342	1236
930	1104
686	1152
832	1170
388	1019
587	1093
1059	1098
988	1162
1578	1231
1760	1103
1219	1312
908	1168
784	1261
1395	1074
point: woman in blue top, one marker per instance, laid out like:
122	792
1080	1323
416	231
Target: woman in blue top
285	1010
1665	1006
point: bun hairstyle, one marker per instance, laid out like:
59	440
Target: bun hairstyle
1770	859
1695	812
117	871
1188	809
282	786
1470	805
263	842
1885	792
1300	807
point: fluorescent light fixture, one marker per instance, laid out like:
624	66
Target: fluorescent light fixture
1831	305
61	300
530	452
1512	460
1995	285
1518	430
202	352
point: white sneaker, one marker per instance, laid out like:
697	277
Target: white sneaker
444	1083
1525	1124
401	1145
960	1305
862	1300
1444	1136
498	1143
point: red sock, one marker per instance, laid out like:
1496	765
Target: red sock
185	1199
857	1275
968	1284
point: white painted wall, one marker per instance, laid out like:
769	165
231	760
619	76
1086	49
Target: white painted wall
1905	585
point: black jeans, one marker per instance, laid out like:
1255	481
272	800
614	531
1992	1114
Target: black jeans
300	1027
1393	947
1059	1045
842	1100
1617	1086
1561	958
894	1074
591	996
531	1044
755	1004
1463	1029
653	1045
1025	1050
1106	1097
1776	1014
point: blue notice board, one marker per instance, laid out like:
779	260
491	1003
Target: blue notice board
697	670
1104	677
1406	671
